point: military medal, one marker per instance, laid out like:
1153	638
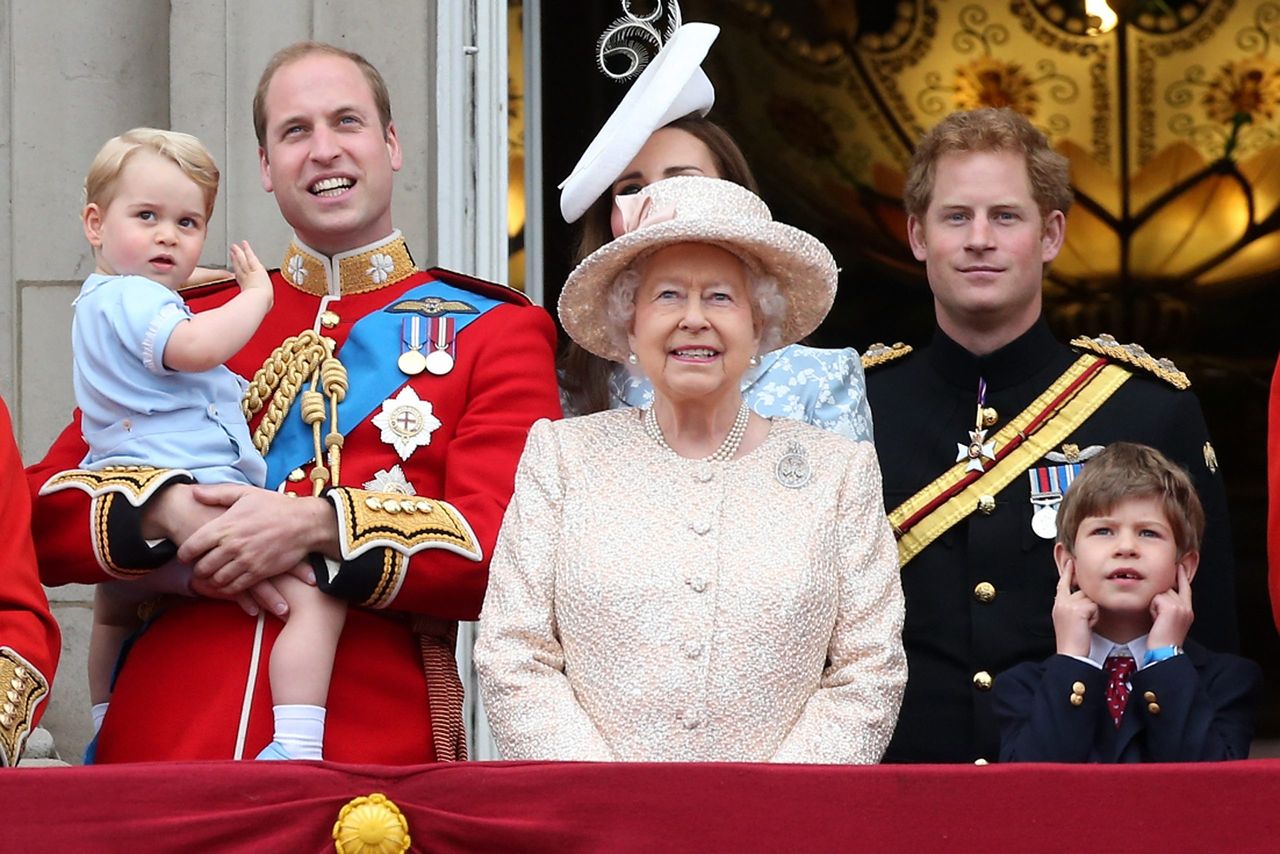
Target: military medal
411	361
390	480
978	448
441	337
1048	485
406	422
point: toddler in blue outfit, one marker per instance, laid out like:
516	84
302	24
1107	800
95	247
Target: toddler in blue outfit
152	388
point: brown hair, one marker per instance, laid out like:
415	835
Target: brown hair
301	50
989	129
584	377
186	152
1125	471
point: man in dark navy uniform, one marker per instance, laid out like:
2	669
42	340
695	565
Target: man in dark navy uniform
980	433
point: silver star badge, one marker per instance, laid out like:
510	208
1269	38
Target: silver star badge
406	422
391	480
976	451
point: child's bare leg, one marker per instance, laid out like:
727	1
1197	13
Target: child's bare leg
301	666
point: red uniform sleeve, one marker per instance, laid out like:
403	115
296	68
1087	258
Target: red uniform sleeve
512	384
29	637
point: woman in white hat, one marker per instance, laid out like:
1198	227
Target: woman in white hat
694	581
659	130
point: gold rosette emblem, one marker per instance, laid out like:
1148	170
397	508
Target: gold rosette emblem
371	824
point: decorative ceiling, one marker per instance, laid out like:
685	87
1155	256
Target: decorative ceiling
1169	121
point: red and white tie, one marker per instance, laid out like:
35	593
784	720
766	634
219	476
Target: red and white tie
1119	669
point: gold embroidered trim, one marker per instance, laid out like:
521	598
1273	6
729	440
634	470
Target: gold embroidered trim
358	272
1133	354
21	689
879	354
369	520
393	565
136	483
1068	417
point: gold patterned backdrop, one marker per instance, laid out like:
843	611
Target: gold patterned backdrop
1169	121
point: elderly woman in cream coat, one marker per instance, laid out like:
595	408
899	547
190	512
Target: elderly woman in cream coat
694	582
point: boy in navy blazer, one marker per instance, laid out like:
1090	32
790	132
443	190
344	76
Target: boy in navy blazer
1126	685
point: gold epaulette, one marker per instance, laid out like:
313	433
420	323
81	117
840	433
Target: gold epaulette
1135	355
21	689
135	483
404	523
879	354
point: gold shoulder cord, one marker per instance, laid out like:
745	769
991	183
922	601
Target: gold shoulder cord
306	358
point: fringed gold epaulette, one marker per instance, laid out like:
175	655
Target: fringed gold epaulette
1135	355
21	689
136	483
879	354
405	523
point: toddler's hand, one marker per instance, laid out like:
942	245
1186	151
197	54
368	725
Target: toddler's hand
250	274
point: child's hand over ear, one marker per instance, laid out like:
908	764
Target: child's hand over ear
1172	613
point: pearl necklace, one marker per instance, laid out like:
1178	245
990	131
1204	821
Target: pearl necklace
727	448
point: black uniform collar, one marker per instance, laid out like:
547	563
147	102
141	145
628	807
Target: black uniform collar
1016	361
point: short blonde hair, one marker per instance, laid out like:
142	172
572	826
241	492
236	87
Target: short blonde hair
1126	471
186	152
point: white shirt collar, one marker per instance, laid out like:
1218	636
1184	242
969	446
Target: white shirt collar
1100	648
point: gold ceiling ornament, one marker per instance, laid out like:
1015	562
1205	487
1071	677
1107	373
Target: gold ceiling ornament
372	824
1171	120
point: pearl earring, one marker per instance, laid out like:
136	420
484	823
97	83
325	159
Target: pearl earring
631	359
754	361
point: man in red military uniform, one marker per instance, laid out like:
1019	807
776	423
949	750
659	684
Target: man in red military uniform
29	637
392	404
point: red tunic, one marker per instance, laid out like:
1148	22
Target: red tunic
181	691
29	637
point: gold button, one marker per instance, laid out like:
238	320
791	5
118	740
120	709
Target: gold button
1077	688
1154	708
1076	700
17	684
5	720
984	592
1149	696
424	506
10	708
297	475
406	507
980	761
989	416
986	504
12	696
373	503
329	319
982	680
391	505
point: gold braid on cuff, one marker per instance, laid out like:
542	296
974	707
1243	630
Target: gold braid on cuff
21	689
407	524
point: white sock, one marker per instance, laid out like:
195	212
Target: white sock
300	730
98	712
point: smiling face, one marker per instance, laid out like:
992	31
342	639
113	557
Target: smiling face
1122	559
326	157
694	332
154	225
667	153
984	244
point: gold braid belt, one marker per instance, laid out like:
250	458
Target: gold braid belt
306	359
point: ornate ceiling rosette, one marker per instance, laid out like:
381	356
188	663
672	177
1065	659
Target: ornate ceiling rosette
1169	120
